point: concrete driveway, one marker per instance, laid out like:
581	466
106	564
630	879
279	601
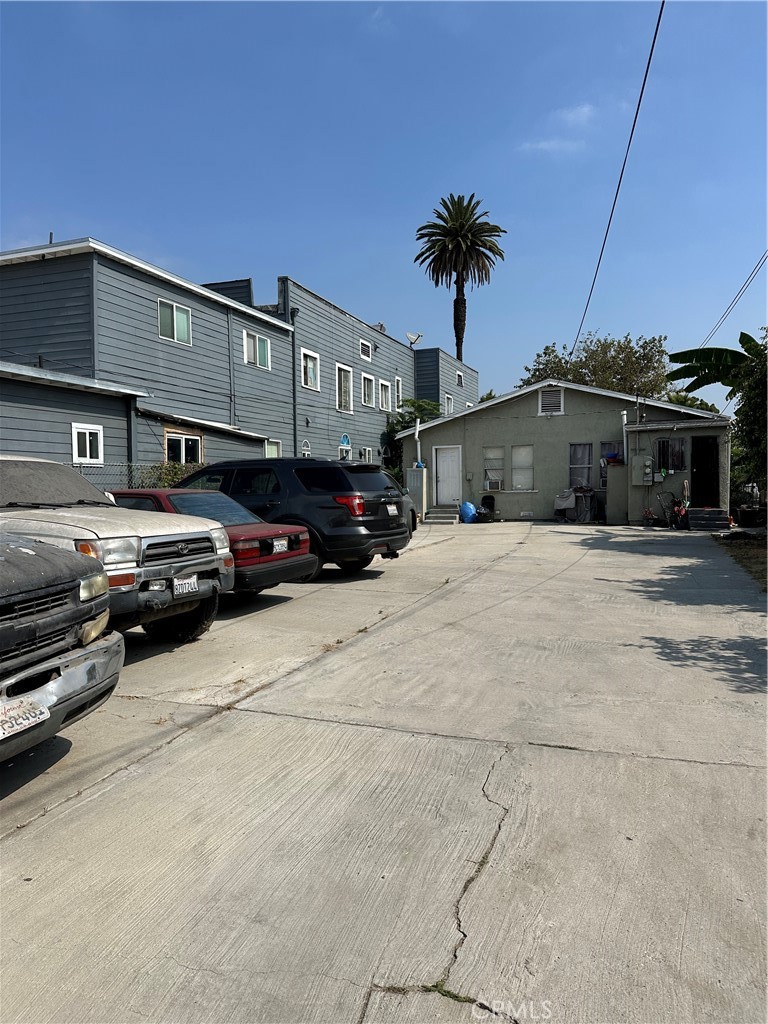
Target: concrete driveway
518	774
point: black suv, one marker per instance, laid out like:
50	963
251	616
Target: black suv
353	510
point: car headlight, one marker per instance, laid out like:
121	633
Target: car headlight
94	586
92	630
221	540
114	551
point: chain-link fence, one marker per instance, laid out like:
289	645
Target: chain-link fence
120	475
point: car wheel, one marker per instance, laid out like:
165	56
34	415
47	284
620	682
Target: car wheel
352	566
412	524
187	626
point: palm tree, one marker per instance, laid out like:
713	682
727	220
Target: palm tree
725	366
458	247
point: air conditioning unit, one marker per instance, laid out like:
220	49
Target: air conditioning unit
493	485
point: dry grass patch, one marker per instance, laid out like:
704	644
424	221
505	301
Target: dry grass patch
749	550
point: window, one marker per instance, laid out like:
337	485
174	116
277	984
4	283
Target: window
344	451
310	370
366	350
607	449
140	502
366	454
448	405
522	467
174	322
580	465
343	388
208	480
493	461
398	393
385	395
367	390
670	454
459	379
550	402
258	480
306	449
273	449
183	448
87	444
256	350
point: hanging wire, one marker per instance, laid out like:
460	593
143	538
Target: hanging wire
737	296
621	177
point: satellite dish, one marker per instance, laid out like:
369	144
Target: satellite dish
414	339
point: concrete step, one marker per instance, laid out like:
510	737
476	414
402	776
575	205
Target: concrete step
711	520
445	514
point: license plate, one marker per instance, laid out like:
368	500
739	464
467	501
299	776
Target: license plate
392	510
21	713
281	544
185	585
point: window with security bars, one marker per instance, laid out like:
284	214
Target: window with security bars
550	401
493	463
580	465
607	450
522	467
670	454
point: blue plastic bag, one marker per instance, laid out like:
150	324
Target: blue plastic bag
467	512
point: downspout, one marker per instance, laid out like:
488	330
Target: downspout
230	347
294	312
418	442
624	433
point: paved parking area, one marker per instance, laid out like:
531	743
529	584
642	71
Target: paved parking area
517	774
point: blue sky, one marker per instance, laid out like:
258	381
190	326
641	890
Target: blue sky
312	139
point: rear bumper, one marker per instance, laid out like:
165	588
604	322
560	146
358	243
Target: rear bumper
258	577
85	678
365	545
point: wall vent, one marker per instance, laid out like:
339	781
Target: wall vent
526	515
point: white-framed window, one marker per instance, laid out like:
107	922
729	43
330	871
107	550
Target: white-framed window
306	449
345	451
522	467
385	395
459	379
257	350
367	387
550	401
580	465
88	444
366	350
607	449
183	448
493	469
310	370
447	405
343	388
398	393
273	449
174	323
366	454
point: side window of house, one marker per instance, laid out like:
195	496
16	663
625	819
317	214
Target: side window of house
174	322
448	405
609	450
87	444
493	461
385	393
580	465
670	454
306	449
183	448
522	467
459	379
310	370
261	480
343	389
273	449
398	393
256	350
367	397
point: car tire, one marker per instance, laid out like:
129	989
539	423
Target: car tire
353	566
412	524
184	628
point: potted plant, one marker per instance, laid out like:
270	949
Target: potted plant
648	517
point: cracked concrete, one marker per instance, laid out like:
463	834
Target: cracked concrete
535	792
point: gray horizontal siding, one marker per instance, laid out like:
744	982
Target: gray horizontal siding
263	401
36	419
46	308
436	377
217	445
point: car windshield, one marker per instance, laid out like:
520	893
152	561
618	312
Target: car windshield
25	483
213	505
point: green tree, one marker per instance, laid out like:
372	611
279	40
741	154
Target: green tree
636	366
413	409
744	374
690	401
458	248
488	396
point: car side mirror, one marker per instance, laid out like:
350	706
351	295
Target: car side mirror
406	490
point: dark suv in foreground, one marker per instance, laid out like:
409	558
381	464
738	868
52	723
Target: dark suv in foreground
353	510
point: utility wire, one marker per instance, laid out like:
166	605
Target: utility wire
735	299
621	176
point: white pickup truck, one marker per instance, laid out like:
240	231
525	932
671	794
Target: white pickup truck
165	573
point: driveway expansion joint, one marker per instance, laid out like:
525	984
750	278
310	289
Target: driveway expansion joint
645	757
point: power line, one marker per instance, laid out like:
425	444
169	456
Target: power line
621	176
737	296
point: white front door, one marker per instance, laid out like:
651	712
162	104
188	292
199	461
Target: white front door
448	475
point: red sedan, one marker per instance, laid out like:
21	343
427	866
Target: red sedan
265	553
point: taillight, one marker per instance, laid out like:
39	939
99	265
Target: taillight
247	547
354	502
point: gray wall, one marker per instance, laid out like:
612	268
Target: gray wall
36	419
47	312
217	445
436	376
